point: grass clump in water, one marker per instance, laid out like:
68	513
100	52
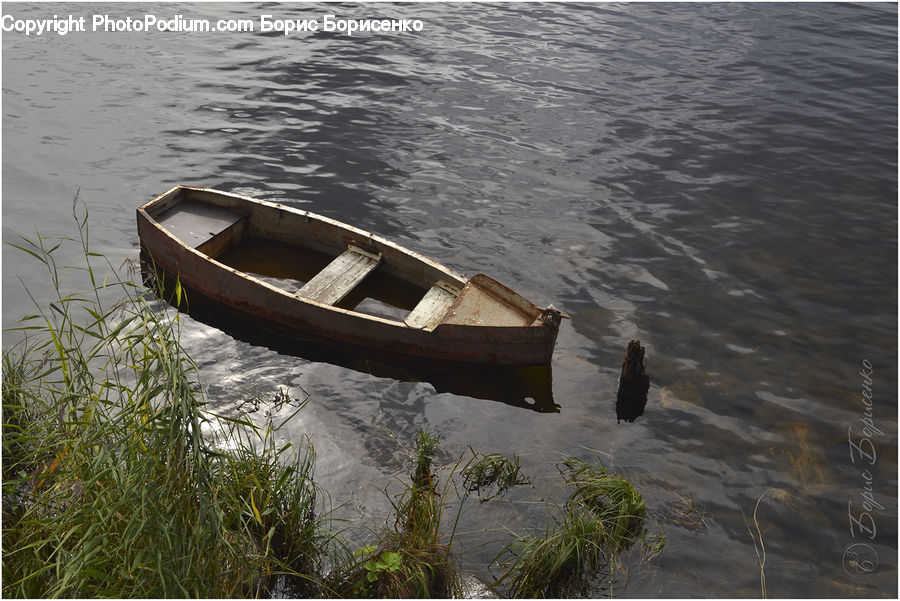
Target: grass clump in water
611	498
492	470
601	519
109	488
410	559
562	563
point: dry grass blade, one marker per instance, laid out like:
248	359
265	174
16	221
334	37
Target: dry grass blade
758	544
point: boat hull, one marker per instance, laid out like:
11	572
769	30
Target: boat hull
523	386
459	342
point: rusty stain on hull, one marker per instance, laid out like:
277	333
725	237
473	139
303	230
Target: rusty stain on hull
188	230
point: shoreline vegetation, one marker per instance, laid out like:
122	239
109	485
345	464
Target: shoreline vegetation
114	483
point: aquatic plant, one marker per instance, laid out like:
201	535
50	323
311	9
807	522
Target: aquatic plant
602	518
409	559
494	470
611	498
688	515
425	450
562	563
109	488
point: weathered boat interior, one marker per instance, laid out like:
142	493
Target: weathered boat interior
324	261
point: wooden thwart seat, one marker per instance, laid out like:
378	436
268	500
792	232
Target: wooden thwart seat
342	275
432	307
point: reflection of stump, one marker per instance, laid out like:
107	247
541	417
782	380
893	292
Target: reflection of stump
633	384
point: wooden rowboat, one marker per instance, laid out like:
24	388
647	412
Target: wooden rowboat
305	273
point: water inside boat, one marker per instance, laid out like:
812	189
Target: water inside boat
289	267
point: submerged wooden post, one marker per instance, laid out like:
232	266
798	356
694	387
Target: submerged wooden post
634	383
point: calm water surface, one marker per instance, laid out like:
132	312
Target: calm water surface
719	181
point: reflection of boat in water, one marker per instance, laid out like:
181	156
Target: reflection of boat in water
528	387
317	275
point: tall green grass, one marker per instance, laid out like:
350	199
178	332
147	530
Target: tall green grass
109	486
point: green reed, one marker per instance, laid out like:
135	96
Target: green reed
109	487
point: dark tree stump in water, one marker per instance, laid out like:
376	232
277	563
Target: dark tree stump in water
634	383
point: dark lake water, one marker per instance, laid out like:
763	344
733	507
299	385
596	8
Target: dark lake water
718	181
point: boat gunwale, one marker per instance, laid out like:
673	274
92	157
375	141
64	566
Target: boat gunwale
460	278
146	208
244	275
